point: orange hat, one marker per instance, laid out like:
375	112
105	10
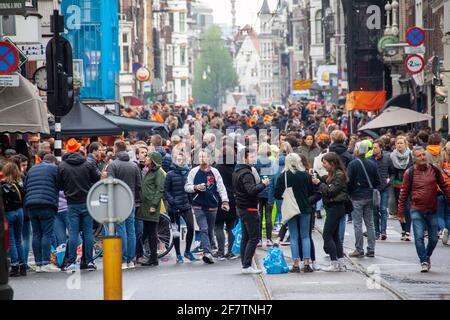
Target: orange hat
72	145
323	136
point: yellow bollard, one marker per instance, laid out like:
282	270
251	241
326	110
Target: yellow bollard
112	268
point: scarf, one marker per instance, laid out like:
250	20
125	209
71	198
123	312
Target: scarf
184	170
399	160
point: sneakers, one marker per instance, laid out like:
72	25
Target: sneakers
221	257
259	245
445	237
307	269
50	268
150	263
23	270
190	256
403	237
295	269
91	266
231	256
356	254
72	268
197	250
342	265
180	259
408	237
131	265
124	266
365	234
208	258
424	267
370	254
269	243
14	272
251	270
333	267
37	269
383	237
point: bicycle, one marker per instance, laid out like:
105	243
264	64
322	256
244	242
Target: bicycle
165	238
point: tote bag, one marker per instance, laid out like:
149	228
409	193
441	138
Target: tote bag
289	207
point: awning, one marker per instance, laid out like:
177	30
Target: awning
365	100
83	121
395	116
22	109
133	124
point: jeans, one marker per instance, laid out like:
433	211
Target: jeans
220	234
443	213
188	217
15	224
363	210
126	230
42	221
206	221
278	215
265	210
60	228
421	222
250	235
80	220
299	228
313	248
342	226
26	234
332	242
380	215
139	228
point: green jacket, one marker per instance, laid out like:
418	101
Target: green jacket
152	193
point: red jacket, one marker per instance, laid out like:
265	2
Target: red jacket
424	191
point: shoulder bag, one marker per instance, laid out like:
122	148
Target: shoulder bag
376	196
289	207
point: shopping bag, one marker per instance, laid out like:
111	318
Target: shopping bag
237	231
57	255
275	263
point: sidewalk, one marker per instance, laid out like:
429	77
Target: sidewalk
319	285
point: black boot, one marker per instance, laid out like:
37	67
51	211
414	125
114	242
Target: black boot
14	271
23	270
319	215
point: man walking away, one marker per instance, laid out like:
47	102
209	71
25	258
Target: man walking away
207	185
419	183
246	194
76	176
127	171
361	193
41	200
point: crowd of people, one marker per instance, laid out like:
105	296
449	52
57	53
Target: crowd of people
301	164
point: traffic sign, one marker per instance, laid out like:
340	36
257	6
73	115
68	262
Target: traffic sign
110	201
301	85
9	58
9	80
415	36
414	64
415	50
22	56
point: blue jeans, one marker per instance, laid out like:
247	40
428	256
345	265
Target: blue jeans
299	227
206	222
139	227
421	222
61	226
80	220
342	225
380	215
42	221
26	233
15	224
443	213
126	230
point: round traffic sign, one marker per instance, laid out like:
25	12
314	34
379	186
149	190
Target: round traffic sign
109	194
414	64
415	36
143	74
9	58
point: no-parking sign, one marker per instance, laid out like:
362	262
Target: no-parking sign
414	64
9	58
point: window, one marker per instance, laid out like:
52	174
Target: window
169	55
183	90
8	25
183	56
299	37
125	46
182	22
319	28
202	20
172	24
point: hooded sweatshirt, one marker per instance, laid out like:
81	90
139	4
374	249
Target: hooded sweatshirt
433	153
166	158
127	171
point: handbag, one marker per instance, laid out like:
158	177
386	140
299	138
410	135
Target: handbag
289	207
376	196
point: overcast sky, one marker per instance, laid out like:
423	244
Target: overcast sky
246	11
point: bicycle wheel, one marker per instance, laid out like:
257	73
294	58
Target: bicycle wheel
165	238
98	242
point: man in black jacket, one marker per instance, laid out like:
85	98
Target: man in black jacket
246	194
127	171
76	176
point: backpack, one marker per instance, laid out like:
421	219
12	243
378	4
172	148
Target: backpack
437	173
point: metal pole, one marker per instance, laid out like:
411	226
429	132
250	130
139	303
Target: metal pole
111	225
58	141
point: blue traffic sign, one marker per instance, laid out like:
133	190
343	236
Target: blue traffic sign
415	36
9	58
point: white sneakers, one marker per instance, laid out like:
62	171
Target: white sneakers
445	237
131	265
251	270
333	267
49	268
124	266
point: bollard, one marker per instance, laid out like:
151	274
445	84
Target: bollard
112	268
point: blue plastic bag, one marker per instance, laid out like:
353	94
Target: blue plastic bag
275	263
237	231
